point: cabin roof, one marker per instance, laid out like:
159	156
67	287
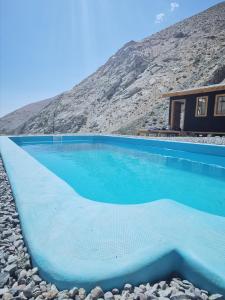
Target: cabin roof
197	90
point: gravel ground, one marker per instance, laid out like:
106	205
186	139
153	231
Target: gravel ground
205	140
20	281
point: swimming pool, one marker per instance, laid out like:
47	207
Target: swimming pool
100	210
123	173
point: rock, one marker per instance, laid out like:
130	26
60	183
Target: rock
20	287
204	291
34	270
179	35
141	296
162	285
115	291
97	293
21	296
166	292
177	285
28	291
216	297
82	293
154	288
4	277
73	292
11	259
50	294
43	287
3	291
142	287
53	288
2	254
6	233
187	282
7	296
39	297
191	295
137	290
125	295
11	268
128	287
108	296
180	296
27	265
197	292
63	295
150	296
204	296
90	298
36	292
18	243
22	275
14	291
36	279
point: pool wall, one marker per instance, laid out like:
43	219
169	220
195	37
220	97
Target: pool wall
182	146
78	242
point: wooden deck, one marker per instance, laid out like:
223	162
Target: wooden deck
146	132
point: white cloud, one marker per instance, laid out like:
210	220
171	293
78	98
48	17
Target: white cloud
174	5
159	18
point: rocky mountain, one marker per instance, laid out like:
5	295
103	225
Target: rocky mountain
13	120
125	93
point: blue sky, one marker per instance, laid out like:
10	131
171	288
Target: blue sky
47	46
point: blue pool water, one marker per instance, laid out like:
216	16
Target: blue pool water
128	174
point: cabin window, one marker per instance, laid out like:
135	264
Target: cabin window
201	106
219	109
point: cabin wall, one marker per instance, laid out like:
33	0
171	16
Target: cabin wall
208	123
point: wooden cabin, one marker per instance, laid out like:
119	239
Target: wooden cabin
198	110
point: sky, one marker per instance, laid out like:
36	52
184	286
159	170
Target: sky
48	46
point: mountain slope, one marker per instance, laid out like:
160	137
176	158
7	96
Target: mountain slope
13	120
124	94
